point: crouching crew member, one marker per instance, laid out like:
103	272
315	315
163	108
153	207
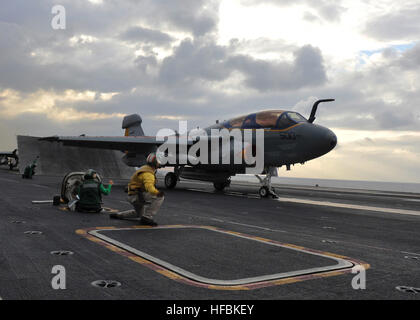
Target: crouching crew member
143	195
29	171
90	193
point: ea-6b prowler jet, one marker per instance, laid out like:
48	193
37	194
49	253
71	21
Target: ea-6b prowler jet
288	138
9	158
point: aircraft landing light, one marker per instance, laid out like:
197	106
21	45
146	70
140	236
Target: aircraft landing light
196	266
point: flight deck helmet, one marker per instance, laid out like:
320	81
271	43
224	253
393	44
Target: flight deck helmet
90	174
153	161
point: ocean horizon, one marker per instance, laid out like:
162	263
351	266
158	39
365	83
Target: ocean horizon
337	183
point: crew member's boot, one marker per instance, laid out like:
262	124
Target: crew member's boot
148	222
129	214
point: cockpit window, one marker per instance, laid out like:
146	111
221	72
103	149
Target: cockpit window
296	117
265	119
289	119
268	119
234	123
284	122
250	122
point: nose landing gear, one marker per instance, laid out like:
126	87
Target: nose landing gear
266	188
220	186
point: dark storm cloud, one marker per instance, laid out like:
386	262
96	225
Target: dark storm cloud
145	35
211	62
307	69
195	16
410	60
402	24
33	60
200	16
34	56
27	64
195	60
393	119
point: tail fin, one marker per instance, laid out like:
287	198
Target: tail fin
132	125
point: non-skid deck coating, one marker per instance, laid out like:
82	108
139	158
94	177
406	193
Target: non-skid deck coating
387	241
204	254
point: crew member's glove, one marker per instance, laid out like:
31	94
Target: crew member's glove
160	194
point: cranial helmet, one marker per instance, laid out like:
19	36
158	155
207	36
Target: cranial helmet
89	174
152	160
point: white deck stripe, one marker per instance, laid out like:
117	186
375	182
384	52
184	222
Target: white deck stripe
350	206
246	225
327	204
415	254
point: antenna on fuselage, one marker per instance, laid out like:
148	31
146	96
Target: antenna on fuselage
315	107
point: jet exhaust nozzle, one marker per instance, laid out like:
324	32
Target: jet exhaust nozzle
315	107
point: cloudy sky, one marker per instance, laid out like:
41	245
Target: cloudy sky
202	60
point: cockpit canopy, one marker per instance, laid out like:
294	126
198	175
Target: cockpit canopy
272	119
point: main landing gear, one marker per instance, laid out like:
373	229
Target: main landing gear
172	178
266	188
220	186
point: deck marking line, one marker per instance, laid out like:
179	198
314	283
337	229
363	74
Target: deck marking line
343	266
350	206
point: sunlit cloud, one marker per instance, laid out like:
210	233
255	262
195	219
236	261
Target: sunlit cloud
53	105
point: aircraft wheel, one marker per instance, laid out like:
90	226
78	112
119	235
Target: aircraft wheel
170	180
219	186
263	192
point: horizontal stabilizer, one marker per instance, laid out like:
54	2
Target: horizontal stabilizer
132	144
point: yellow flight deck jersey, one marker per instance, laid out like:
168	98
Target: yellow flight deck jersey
143	179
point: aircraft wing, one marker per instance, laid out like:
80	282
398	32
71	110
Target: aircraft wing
124	143
8	154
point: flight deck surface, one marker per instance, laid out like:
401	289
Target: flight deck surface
211	235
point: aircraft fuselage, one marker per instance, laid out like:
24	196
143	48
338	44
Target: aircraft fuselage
295	142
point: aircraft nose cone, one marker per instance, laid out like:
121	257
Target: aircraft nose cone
327	140
318	140
332	139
